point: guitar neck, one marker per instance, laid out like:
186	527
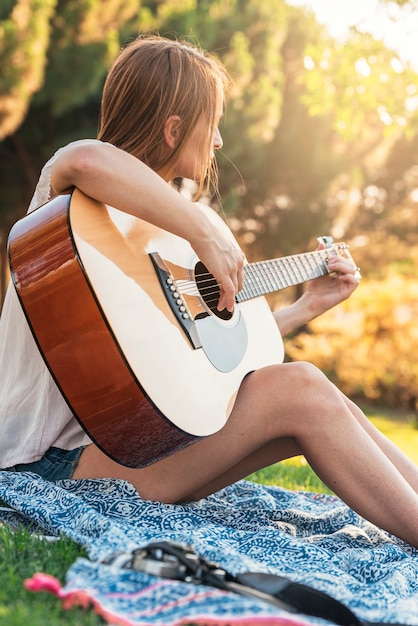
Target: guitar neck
264	277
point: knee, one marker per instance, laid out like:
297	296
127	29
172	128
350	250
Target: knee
313	388
307	375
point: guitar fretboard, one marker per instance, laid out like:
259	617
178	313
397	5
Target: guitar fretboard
263	277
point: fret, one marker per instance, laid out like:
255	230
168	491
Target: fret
304	267
274	277
263	277
264	268
256	281
249	284
296	269
279	276
259	279
287	272
310	266
319	265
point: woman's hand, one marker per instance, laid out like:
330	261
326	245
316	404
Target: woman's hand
115	177
220	253
327	291
321	293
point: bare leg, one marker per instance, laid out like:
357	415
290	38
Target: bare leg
282	411
406	467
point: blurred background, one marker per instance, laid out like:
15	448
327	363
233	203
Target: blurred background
320	137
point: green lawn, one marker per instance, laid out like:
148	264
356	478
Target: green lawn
22	555
403	433
296	474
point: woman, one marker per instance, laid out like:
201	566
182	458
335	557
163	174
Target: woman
161	107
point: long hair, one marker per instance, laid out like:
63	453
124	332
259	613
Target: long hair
152	79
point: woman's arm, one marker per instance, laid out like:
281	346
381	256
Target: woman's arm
116	178
321	294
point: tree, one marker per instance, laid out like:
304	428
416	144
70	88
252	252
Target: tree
56	54
24	39
320	135
311	122
346	109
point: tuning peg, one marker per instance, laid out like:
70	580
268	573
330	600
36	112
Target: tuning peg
327	240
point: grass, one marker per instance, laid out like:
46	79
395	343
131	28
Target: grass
21	555
296	473
402	430
291	474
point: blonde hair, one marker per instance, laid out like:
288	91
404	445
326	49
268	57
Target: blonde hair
152	79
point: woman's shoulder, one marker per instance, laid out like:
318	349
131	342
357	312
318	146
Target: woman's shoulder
43	188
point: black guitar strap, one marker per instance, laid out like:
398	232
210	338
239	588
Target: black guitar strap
180	562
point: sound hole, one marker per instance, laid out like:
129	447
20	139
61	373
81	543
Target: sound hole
209	291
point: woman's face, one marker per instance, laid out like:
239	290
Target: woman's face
195	159
198	150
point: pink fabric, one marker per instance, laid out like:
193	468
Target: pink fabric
46	583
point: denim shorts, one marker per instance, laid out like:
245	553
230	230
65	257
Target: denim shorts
56	464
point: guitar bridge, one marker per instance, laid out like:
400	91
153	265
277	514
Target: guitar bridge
175	300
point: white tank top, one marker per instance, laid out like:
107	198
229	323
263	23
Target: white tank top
33	414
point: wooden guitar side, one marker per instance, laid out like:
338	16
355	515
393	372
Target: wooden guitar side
104	325
78	348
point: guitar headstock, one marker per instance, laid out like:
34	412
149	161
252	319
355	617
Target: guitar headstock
330	248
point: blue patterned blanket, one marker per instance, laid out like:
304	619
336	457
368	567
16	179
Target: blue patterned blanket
313	539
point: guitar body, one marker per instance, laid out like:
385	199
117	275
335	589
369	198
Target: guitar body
125	317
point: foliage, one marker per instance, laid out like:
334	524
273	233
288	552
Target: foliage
57	52
347	107
248	35
320	135
364	88
290	474
279	211
409	4
367	343
23	57
288	75
85	37
22	555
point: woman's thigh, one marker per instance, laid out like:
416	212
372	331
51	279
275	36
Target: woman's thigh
258	432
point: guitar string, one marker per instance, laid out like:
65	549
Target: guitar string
190	287
266	265
208	277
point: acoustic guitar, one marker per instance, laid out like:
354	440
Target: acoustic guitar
124	315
